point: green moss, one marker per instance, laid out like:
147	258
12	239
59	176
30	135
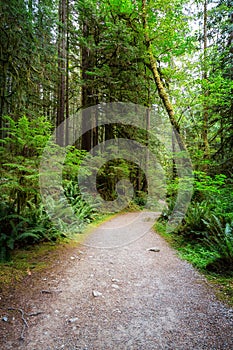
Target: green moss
223	287
24	261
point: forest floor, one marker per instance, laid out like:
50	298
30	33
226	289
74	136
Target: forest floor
113	292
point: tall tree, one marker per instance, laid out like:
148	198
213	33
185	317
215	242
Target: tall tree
88	58
163	94
16	54
205	88
218	84
27	58
62	66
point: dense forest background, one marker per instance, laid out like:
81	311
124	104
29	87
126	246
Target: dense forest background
59	57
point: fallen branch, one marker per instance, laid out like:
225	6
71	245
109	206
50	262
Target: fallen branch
35	313
25	324
45	291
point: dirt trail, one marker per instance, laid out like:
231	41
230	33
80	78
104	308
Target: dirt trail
149	300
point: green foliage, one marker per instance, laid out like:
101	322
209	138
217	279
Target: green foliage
27	65
84	212
198	255
73	161
213	250
206	185
32	226
23	219
26	137
207	230
140	198
194	226
21	153
220	240
222	203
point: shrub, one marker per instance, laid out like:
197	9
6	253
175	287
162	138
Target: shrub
208	222
220	239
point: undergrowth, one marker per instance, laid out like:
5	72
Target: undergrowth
205	236
24	218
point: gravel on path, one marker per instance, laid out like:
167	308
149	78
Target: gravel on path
116	293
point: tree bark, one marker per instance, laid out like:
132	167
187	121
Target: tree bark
61	73
206	93
158	81
67	72
87	60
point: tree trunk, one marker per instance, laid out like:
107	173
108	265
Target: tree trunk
158	81
67	73
61	72
90	32
205	106
87	93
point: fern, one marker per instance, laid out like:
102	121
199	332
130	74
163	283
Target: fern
31	234
220	239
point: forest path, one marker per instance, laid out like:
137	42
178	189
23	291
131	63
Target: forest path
149	299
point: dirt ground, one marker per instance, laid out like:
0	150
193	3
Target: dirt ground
113	292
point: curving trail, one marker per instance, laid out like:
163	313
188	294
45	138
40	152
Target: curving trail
145	300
